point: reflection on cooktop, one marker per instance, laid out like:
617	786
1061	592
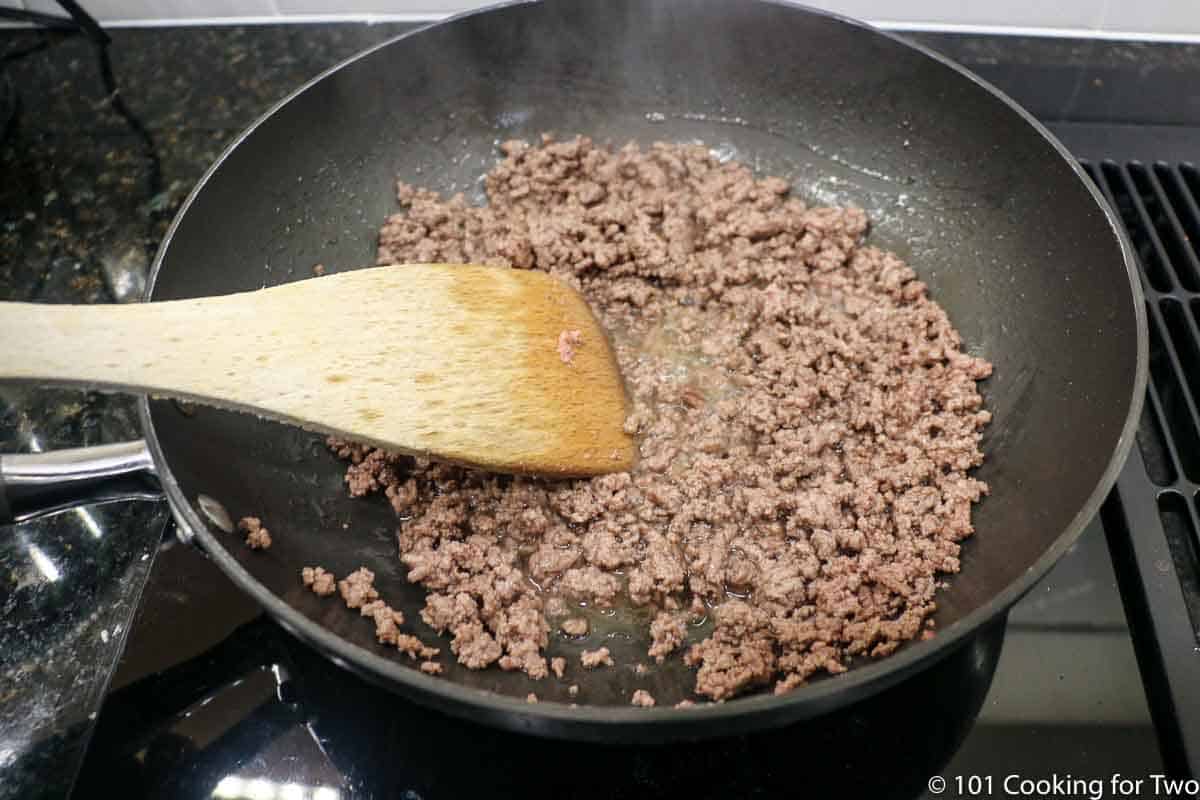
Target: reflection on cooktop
213	699
261	715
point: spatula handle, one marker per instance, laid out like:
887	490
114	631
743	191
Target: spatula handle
125	346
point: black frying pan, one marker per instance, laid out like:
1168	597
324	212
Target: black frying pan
990	210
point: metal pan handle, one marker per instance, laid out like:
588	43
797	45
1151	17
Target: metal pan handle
38	484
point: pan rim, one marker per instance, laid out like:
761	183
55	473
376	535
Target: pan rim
597	723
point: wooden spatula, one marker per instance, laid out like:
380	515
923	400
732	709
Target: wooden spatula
502	369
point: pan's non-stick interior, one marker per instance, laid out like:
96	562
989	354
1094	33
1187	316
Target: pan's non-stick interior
981	204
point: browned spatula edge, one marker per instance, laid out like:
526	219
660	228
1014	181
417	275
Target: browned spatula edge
460	363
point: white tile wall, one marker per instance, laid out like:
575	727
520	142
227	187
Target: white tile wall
429	8
1159	18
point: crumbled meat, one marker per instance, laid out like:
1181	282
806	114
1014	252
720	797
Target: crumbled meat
595	658
387	620
685	703
475	647
318	270
573	690
641	669
591	584
740	652
574	626
531	698
667	632
358	588
558	665
414	648
807	417
320	581
358	591
642	698
257	537
568	341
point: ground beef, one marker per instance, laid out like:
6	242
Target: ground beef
568	342
558	665
414	648
642	698
387	620
531	698
574	626
358	591
807	421
595	658
257	537
739	654
357	588
321	582
667	632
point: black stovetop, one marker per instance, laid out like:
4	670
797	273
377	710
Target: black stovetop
184	689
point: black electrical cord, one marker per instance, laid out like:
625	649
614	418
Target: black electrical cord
8	91
118	104
86	22
38	18
79	21
8	104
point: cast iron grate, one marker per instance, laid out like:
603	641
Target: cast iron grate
1153	517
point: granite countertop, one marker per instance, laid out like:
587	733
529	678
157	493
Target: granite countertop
87	194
